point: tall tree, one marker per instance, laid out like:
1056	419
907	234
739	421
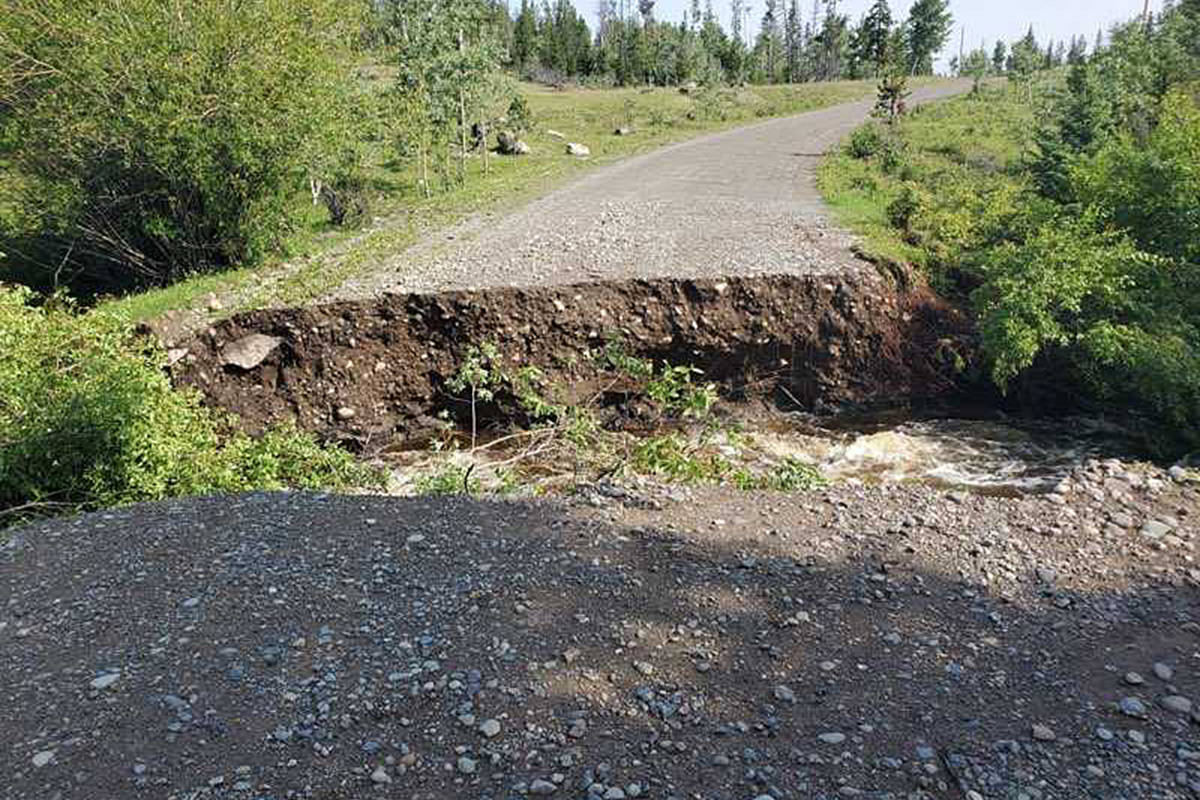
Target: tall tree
770	39
999	54
794	41
874	33
929	24
525	36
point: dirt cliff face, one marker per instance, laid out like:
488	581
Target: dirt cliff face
379	368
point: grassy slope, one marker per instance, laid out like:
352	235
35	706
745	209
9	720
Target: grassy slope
322	257
965	147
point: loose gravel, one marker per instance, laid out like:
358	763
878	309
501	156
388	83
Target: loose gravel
741	202
641	641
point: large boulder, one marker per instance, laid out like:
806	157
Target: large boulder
249	351
510	145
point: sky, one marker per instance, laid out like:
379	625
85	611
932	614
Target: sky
984	20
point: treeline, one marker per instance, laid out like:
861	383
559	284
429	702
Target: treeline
1025	58
550	41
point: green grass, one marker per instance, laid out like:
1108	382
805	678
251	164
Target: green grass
960	152
318	257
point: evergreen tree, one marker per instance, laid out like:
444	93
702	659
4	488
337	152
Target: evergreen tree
770	40
525	36
999	56
794	41
832	42
929	24
874	34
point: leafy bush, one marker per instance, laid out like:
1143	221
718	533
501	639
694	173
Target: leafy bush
156	138
88	419
865	141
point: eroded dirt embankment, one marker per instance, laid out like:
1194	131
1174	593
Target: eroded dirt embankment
366	370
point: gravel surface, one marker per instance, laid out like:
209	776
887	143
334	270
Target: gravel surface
657	642
741	202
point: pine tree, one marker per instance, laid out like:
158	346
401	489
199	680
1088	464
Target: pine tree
794	32
875	32
999	55
770	39
929	24
525	36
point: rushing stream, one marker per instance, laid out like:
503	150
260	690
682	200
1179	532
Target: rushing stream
987	455
983	453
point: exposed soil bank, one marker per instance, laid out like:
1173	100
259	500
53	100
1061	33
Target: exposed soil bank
377	369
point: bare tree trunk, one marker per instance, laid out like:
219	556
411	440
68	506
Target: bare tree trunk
483	129
462	119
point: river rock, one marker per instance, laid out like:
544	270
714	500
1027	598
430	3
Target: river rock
1043	733
1155	529
1174	702
106	680
1133	707
249	351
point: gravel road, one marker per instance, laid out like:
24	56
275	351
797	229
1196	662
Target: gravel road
656	642
741	202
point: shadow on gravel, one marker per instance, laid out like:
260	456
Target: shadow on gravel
724	647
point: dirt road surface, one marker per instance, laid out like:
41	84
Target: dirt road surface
741	202
647	642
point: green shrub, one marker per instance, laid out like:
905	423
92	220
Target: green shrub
88	419
157	138
865	142
903	210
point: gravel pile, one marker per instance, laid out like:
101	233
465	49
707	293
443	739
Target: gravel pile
638	642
